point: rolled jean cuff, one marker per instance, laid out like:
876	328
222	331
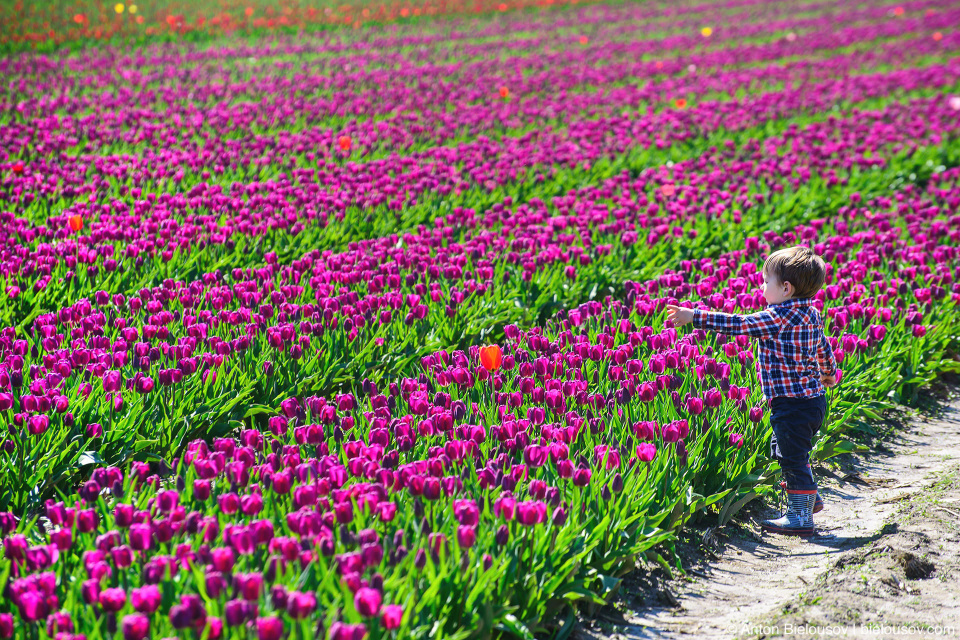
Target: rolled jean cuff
799	480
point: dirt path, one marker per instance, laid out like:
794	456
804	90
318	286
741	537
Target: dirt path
885	562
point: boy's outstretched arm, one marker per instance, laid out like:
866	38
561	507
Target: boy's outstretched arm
763	324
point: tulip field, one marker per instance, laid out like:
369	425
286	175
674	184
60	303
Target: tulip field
359	331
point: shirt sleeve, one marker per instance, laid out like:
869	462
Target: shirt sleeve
828	363
763	324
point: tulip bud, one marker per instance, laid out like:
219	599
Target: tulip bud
617	483
559	516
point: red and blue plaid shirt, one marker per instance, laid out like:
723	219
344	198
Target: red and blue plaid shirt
794	351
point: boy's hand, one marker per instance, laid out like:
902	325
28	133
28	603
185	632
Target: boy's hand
679	315
828	381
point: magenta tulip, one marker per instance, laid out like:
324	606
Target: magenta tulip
367	602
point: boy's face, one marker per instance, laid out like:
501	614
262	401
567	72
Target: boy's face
775	291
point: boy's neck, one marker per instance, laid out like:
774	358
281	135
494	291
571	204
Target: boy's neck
792	300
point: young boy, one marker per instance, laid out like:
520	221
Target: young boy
796	361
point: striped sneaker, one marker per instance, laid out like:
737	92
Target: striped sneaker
798	519
817	504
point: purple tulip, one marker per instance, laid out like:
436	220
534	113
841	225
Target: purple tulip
301	605
38	425
33	606
341	631
671	432
229	503
249	585
581	477
646	451
90	591
235	613
59	623
648	392
695	406
367	602
62	539
135	627
141	537
215	583
112	599
392	616
181	616
145	599
877	332
466	536
112	381
531	513
167	500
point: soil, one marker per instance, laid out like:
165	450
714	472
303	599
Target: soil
885	561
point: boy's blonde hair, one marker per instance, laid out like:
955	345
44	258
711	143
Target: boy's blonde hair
799	266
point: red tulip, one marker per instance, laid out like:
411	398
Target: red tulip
490	357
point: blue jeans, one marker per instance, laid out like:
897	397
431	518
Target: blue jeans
795	422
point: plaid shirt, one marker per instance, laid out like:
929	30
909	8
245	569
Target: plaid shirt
794	351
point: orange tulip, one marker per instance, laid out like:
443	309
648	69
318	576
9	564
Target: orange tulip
668	190
76	223
680	103
583	40
345	143
898	11
504	92
490	357
937	37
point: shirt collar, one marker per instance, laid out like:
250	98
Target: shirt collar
793	302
